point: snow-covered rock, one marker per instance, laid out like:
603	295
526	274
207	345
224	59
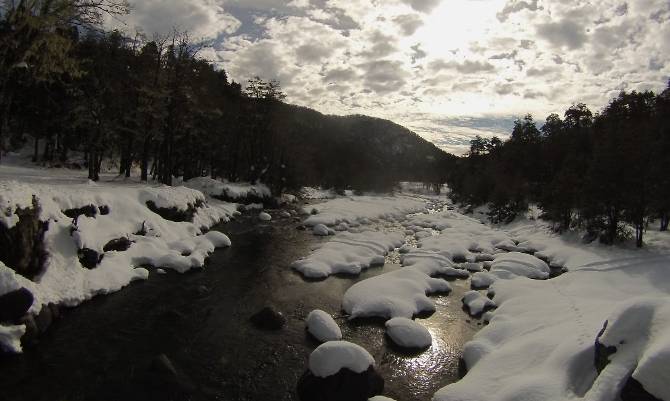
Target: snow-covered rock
322	326
103	213
264	216
328	358
408	333
362	209
477	302
521	264
322	230
400	293
348	253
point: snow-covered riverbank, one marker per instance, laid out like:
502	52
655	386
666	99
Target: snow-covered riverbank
541	342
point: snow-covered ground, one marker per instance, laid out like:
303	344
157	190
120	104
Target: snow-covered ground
540	342
112	211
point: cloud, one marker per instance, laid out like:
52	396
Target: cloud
408	23
425	6
203	19
466	67
514	6
384	76
381	45
564	33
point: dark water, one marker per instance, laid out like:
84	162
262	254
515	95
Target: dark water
103	350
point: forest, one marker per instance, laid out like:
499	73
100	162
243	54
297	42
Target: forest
602	172
67	86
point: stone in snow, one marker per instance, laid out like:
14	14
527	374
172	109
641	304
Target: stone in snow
322	326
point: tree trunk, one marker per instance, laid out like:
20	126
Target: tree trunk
36	147
639	232
665	220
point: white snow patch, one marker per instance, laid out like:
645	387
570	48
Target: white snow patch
408	333
263	216
348	253
400	293
363	209
328	358
477	302
322	326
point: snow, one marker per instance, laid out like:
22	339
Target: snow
521	264
10	337
408	333
322	230
328	358
226	189
348	253
380	398
180	246
477	302
362	209
263	216
322	326
431	263
400	293
540	341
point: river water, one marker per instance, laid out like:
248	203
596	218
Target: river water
105	349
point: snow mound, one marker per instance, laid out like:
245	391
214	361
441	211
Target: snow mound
322	326
477	302
363	209
400	293
521	264
228	190
638	330
380	398
559	320
408	333
348	253
432	264
263	216
119	211
323	231
329	358
461	237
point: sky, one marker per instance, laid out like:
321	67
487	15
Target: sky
446	69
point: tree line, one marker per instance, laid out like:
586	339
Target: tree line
603	173
67	86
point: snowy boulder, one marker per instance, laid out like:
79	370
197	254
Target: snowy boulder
340	371
400	293
263	216
477	303
637	331
481	280
268	319
407	333
322	326
348	253
218	239
380	398
14	304
521	264
322	230
472	267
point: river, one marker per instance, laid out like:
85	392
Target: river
106	348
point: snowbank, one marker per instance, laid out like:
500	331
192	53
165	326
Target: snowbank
540	343
361	209
408	333
98	215
234	191
328	358
400	293
348	253
322	326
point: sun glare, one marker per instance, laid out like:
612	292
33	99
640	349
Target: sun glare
457	23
